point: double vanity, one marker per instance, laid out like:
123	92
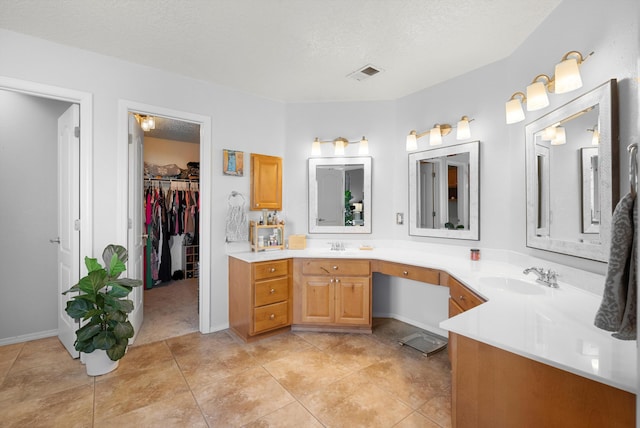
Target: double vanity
520	351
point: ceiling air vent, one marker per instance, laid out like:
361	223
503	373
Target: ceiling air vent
364	72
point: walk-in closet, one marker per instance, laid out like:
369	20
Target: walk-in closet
171	208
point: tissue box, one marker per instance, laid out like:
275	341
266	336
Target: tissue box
297	242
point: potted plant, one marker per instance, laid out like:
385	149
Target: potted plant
102	305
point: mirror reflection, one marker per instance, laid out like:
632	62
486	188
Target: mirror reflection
339	195
570	185
443	186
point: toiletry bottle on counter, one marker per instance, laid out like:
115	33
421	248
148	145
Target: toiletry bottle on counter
475	254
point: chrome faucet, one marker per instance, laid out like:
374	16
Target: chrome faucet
548	277
337	246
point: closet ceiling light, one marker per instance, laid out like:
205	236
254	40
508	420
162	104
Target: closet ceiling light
339	146
147	123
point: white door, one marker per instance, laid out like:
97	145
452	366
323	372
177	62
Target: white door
330	182
68	220
136	242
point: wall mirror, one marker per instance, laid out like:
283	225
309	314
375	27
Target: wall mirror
444	192
571	154
340	195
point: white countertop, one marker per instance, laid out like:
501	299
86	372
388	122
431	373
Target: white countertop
552	326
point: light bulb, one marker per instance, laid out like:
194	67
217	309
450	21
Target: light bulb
435	137
537	97
315	148
560	137
567	76
412	141
464	131
514	112
339	147
364	147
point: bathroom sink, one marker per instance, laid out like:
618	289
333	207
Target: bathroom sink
511	285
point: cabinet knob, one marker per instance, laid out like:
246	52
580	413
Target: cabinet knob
272	316
405	273
272	291
337	280
332	280
272	270
461	297
335	267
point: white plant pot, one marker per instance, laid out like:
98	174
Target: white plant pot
99	363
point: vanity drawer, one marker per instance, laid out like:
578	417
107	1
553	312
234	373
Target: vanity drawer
335	267
271	269
270	317
462	296
271	291
430	276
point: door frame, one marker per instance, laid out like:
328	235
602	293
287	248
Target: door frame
204	278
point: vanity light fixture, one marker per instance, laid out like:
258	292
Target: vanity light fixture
560	136
438	131
339	145
567	72
463	130
566	79
147	123
537	97
549	133
595	139
513	108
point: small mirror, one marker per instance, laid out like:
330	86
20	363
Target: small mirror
340	195
443	192
570	155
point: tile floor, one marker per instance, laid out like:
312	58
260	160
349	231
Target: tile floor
215	380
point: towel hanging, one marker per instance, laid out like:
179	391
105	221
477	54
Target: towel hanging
237	225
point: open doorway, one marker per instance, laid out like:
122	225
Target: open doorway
49	154
170	202
131	188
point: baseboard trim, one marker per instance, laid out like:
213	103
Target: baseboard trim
28	337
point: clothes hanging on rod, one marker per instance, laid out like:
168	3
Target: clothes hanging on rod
171	208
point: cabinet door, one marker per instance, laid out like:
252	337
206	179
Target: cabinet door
266	182
318	297
353	300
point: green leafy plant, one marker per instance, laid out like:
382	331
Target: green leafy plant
102	304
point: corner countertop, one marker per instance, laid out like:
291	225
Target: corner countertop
552	326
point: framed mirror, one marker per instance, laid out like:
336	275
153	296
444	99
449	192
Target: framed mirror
444	188
571	156
340	195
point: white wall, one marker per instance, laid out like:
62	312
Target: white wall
237	119
28	213
610	29
251	124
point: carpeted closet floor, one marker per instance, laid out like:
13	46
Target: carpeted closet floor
170	310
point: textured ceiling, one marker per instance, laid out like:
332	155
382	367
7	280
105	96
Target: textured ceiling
291	50
170	129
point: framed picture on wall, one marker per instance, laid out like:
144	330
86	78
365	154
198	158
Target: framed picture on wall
232	162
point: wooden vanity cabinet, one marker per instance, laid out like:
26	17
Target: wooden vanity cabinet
266	182
335	294
416	273
461	299
260	302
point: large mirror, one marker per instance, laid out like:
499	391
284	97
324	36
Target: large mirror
443	192
571	154
340	195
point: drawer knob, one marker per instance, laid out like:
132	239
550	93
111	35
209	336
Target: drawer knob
405	273
272	270
272	291
272	316
461	297
335	268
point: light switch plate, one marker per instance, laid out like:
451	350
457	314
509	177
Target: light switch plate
399	218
